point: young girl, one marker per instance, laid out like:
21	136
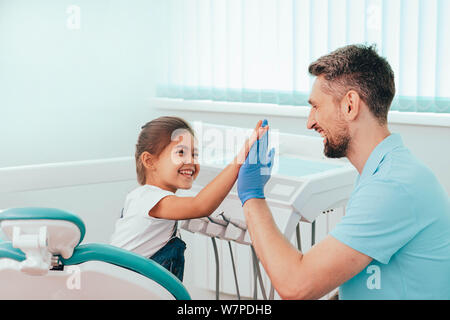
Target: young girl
166	160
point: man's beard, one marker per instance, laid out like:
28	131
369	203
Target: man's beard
338	146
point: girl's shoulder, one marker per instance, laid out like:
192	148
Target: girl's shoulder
142	199
148	191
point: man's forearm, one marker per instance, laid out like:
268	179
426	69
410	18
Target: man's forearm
280	259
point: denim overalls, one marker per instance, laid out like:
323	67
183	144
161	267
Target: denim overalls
171	256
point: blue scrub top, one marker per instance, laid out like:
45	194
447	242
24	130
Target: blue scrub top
399	215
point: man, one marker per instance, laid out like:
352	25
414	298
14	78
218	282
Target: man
394	240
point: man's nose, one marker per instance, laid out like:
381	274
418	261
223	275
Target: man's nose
311	120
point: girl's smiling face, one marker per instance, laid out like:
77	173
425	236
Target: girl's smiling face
177	166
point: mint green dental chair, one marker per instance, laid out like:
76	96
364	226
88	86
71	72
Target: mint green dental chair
42	258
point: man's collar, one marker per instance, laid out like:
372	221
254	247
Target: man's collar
378	154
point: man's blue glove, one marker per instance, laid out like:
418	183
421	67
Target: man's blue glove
256	170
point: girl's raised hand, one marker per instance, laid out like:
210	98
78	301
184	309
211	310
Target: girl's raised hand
260	129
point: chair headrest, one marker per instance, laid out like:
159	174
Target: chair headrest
40	234
34	213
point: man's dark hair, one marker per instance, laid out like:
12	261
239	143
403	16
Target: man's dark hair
358	68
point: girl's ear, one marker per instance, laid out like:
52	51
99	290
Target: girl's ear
148	160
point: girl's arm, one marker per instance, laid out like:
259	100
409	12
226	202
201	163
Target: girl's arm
211	196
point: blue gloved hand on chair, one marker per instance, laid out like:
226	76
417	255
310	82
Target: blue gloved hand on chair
256	170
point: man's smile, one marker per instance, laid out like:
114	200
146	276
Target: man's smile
322	134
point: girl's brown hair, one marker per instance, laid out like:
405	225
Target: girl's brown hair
154	137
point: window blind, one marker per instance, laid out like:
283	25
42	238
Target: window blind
260	50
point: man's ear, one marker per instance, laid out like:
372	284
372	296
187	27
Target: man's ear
351	105
148	160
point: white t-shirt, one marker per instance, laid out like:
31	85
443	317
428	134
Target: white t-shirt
137	231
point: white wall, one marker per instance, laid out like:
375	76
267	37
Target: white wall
75	94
